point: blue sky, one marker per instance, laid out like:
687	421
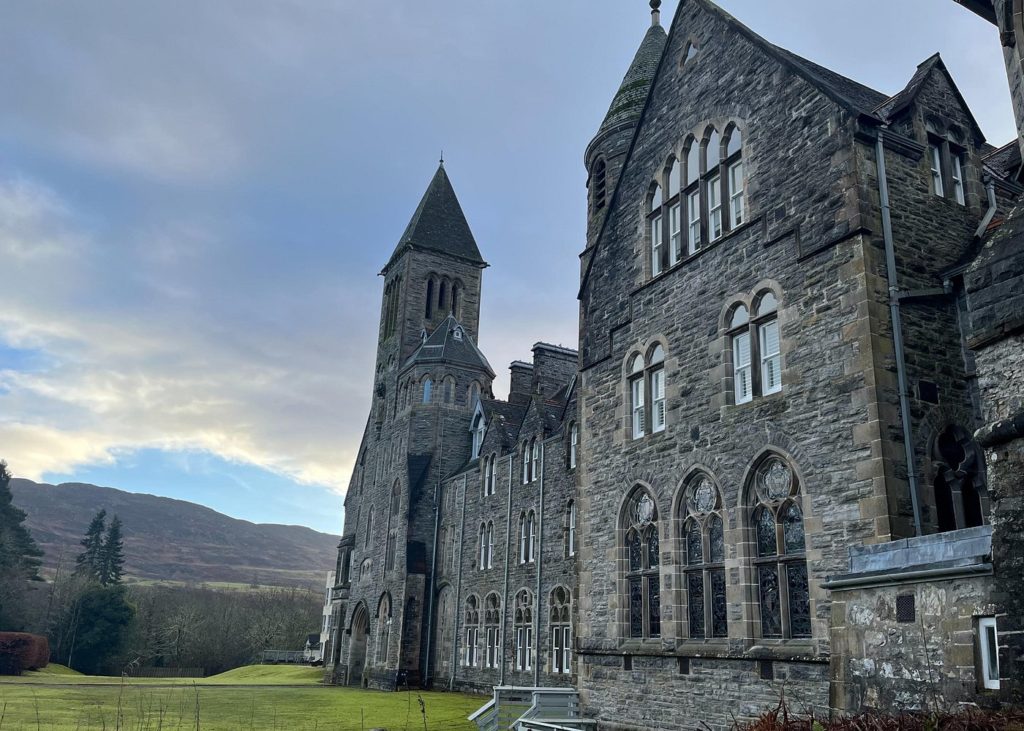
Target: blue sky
196	198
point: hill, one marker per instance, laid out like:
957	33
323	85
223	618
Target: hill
175	540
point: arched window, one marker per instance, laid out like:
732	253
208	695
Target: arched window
691	194
428	386
574	439
560	621
456	291
734	175
428	311
490	481
483	546
756	349
703	545
492	623
442	297
659	255
523	629
474	393
383	629
445	629
535	459
449	389
783	596
641	553
490	544
479	429
527	537
364	569
570	529
959	483
525	454
442	549
369	528
471	656
599	185
647	386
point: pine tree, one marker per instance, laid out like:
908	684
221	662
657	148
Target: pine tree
18	552
112	555
89	561
19	558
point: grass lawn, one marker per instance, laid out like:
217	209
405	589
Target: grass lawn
256	697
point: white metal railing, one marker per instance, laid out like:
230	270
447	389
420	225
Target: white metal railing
532	709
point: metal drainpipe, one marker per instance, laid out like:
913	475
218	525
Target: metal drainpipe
540	564
990	190
508	560
433	557
897	330
458	585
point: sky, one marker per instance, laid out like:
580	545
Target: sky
196	199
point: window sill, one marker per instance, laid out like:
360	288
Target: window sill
757	401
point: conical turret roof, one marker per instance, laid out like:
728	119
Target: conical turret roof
629	100
439	224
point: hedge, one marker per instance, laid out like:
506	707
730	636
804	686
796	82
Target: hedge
22	651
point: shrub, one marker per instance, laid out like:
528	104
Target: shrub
22	651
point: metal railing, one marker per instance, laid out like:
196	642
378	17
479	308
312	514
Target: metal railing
532	709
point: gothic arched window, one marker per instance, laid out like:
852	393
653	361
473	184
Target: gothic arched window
574	440
647	386
703	548
428	311
534	459
492	623
471	657
523	629
383	629
959	484
599	184
527	537
570	529
641	554
734	183
783	594
428	387
560	622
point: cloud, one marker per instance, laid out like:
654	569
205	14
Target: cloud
137	370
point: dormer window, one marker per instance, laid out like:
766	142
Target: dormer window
946	162
457	333
479	430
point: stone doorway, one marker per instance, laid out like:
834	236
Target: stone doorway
357	646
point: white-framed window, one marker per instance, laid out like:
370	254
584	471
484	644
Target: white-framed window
756	349
428	387
658	400
693	221
736	194
472	637
527	537
656	245
675	214
489	482
957	173
483	546
493	652
771	356
523	629
479	429
559	620
490	545
492	622
935	157
715	208
526	463
570	532
639	413
988	644
574	438
535	467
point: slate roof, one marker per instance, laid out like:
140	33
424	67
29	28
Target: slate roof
1004	161
504	418
856	94
442	346
439	224
628	101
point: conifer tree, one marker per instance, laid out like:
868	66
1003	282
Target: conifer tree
19	558
90	560
112	555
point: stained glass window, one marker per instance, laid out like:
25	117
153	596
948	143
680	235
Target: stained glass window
768	589
636	607
635	551
654	605
694	547
793	529
767	541
653	558
695	598
719	619
799	599
716	539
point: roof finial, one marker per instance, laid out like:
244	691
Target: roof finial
655	12
442	157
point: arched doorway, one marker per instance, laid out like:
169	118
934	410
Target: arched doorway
357	646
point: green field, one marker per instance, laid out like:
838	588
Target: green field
259	697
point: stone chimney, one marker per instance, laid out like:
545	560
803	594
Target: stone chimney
522	383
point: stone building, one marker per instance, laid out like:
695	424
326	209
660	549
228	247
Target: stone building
788	455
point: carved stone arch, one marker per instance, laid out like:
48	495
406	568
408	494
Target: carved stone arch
691	43
730	306
693	473
746	496
651	343
763	286
360	605
627	361
385	597
628	496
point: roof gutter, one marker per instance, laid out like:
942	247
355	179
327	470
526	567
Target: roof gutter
897	329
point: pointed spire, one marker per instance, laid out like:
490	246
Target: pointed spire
439	223
632	93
